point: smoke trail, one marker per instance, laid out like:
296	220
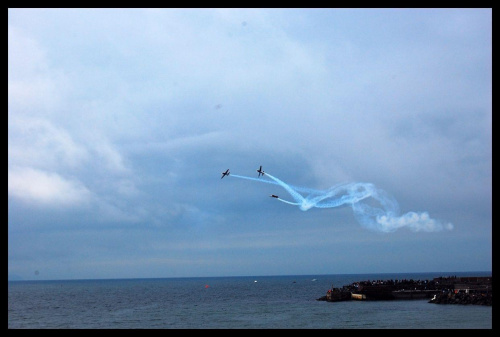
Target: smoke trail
374	208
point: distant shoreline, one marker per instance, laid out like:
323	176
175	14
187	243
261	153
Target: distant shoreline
16	277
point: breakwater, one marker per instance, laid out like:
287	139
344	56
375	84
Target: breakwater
440	290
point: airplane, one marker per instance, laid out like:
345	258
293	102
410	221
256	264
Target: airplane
273	196
225	173
260	171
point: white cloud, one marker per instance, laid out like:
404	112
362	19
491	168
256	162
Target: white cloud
38	142
109	156
33	86
46	188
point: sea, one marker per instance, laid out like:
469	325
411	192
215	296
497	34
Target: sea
235	302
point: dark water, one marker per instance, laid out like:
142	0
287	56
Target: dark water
273	302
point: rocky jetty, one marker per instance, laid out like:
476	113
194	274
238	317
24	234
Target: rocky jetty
463	298
442	290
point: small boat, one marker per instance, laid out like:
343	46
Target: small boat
358	297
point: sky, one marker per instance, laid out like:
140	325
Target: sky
373	127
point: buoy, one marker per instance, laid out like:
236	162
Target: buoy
206	285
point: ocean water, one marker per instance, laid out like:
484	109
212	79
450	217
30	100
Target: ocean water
258	302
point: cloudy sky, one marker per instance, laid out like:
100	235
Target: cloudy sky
121	121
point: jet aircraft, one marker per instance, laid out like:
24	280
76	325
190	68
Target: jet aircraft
225	173
260	171
273	196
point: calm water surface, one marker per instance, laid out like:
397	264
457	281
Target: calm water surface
273	302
